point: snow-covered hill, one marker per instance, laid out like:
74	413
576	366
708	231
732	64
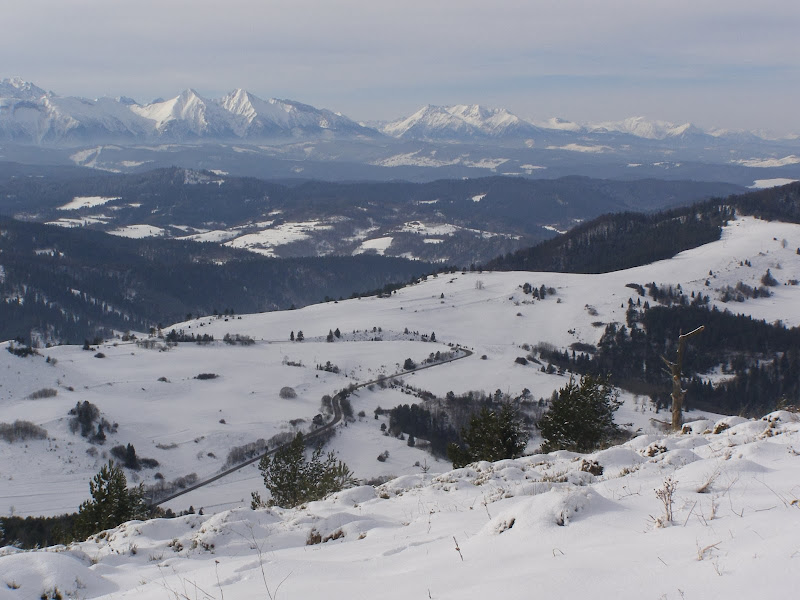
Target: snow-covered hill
178	420
541	520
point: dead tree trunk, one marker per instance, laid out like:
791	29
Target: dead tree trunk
674	369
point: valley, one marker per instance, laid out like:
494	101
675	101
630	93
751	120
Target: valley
540	513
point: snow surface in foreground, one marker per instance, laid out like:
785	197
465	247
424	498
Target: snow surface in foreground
538	526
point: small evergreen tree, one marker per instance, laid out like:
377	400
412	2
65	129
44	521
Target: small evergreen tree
581	416
293	480
491	435
112	502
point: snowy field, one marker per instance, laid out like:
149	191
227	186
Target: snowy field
536	521
79	202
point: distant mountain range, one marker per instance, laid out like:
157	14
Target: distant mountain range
242	134
29	114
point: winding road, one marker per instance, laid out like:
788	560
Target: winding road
337	417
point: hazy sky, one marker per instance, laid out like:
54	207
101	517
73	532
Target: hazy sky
717	63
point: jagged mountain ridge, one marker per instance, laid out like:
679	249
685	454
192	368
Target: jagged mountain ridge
28	114
474	120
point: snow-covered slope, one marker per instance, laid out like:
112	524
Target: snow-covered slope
264	118
29	114
486	312
188	114
540	520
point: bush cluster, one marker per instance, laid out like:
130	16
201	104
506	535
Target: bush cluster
21	430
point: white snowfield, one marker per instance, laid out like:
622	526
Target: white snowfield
760	184
533	523
86	202
536	526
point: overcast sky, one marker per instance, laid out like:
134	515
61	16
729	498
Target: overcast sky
717	63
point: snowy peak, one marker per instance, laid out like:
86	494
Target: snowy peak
458	122
31	115
18	88
239	102
258	118
186	115
643	128
427	121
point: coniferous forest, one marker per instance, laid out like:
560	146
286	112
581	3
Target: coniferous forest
758	362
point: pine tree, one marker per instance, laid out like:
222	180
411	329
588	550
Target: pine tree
581	416
491	435
112	502
292	480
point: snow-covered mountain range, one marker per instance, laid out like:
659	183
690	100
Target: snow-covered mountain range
460	121
243	134
30	114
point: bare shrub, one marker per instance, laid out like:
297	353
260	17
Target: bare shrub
42	393
207	376
21	430
338	534
592	466
243	340
287	393
239	454
314	537
163	488
379	480
706	486
665	494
